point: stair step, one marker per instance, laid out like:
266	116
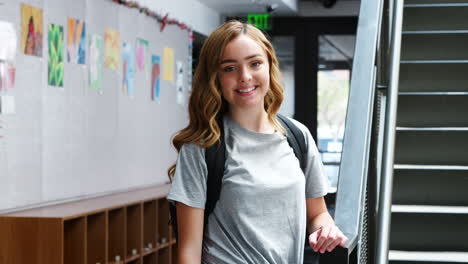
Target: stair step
431	110
434	77
433	61
422	185
433	93
427	228
429	209
397	256
428	167
438	15
446	129
426	147
434	32
449	46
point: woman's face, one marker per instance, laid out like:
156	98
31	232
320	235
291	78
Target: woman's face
244	73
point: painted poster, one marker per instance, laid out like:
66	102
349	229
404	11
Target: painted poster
95	62
7	55
142	56
168	64
76	41
128	69
31	30
55	69
155	77
180	83
112	52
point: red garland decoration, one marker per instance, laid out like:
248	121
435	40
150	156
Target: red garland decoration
163	20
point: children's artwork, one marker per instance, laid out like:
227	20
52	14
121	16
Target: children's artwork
180	83
128	69
76	41
168	64
95	62
112	53
55	69
142	56
7	55
155	77
31	30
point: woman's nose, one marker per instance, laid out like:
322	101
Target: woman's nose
245	74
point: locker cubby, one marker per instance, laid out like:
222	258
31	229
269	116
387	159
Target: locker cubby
96	238
150	225
164	255
116	225
151	258
163	221
134	228
95	230
74	232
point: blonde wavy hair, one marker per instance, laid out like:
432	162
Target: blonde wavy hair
206	103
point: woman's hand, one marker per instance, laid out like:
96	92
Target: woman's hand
326	238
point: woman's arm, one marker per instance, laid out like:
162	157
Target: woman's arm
325	235
190	229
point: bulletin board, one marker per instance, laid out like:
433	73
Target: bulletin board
92	108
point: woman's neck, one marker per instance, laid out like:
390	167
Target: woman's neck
252	119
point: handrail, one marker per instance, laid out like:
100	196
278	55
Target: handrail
355	156
386	187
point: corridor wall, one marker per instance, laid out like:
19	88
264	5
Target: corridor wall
59	143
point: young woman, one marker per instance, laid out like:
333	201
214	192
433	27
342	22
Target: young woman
265	197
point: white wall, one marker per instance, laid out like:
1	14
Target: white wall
191	12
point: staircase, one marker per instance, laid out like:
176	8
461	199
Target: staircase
430	191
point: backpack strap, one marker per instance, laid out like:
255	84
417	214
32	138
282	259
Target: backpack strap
295	138
215	158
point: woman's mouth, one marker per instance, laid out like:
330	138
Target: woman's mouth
246	90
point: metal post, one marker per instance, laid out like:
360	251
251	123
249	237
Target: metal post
385	201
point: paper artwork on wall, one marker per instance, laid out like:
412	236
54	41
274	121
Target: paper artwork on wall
55	69
180	83
7	104
112	52
76	41
128	69
142	55
7	55
168	64
31	30
155	78
95	62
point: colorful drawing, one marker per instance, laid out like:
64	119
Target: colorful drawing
76	41
95	62
180	83
168	64
31	30
128	69
55	69
112	52
155	77
142	56
7	55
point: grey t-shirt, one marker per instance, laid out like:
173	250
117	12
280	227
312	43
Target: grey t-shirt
260	216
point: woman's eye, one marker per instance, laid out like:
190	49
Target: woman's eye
256	64
228	69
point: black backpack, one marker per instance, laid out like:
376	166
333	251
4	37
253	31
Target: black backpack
215	159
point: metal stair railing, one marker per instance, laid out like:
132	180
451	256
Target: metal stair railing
351	189
386	187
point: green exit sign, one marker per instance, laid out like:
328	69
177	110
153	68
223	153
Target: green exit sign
259	20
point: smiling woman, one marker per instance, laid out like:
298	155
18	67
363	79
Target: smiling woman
265	193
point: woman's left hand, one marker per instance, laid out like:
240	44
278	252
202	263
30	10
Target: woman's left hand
326	238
